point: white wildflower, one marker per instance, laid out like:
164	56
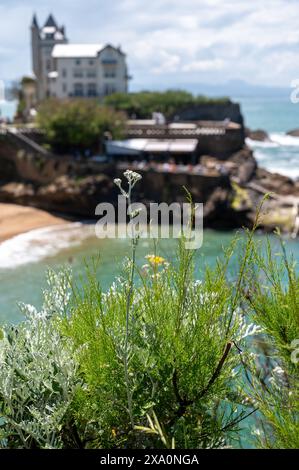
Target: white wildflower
132	177
117	181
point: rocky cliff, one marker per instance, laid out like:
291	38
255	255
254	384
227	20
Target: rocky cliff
230	189
211	112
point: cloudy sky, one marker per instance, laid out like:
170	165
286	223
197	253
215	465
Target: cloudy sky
169	42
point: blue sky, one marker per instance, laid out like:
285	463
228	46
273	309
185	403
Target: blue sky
169	42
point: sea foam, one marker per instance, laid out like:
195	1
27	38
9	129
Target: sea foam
279	155
33	246
260	144
284	140
276	139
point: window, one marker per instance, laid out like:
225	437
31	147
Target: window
109	71
64	73
78	73
64	88
109	57
91	62
78	89
109	88
91	73
109	74
78	62
92	89
48	65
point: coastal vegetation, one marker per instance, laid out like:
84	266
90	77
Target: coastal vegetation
78	125
131	368
142	104
18	93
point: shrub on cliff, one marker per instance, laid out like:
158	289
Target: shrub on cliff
121	370
78	125
159	360
144	103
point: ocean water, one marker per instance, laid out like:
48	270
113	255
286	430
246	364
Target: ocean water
271	113
25	259
277	115
8	109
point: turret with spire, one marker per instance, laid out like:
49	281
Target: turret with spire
34	23
50	22
35	38
42	42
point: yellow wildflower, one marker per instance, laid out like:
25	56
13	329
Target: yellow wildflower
113	432
155	260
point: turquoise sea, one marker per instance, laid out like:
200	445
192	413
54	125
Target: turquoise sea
276	115
24	259
8	109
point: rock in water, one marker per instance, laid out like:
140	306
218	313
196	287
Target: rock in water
294	133
258	135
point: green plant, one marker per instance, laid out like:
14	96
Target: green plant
163	346
272	295
38	374
159	360
144	103
78	124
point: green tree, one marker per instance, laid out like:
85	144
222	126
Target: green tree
18	92
78	124
144	103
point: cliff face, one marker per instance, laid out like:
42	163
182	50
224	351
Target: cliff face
211	112
230	189
75	188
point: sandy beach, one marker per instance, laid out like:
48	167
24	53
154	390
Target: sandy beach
15	219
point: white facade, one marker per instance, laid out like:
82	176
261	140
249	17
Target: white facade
75	70
87	70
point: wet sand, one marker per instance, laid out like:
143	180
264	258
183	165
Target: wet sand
15	219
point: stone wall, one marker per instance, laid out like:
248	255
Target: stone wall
221	146
19	163
64	185
169	187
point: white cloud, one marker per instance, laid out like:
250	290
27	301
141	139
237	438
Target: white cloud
203	65
170	40
167	63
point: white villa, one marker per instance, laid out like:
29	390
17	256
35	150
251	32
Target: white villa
65	70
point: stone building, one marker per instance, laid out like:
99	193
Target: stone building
66	70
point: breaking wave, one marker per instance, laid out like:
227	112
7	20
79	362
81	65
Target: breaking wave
280	154
33	246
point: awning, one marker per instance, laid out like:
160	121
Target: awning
138	146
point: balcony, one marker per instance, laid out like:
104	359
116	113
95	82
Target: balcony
109	61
